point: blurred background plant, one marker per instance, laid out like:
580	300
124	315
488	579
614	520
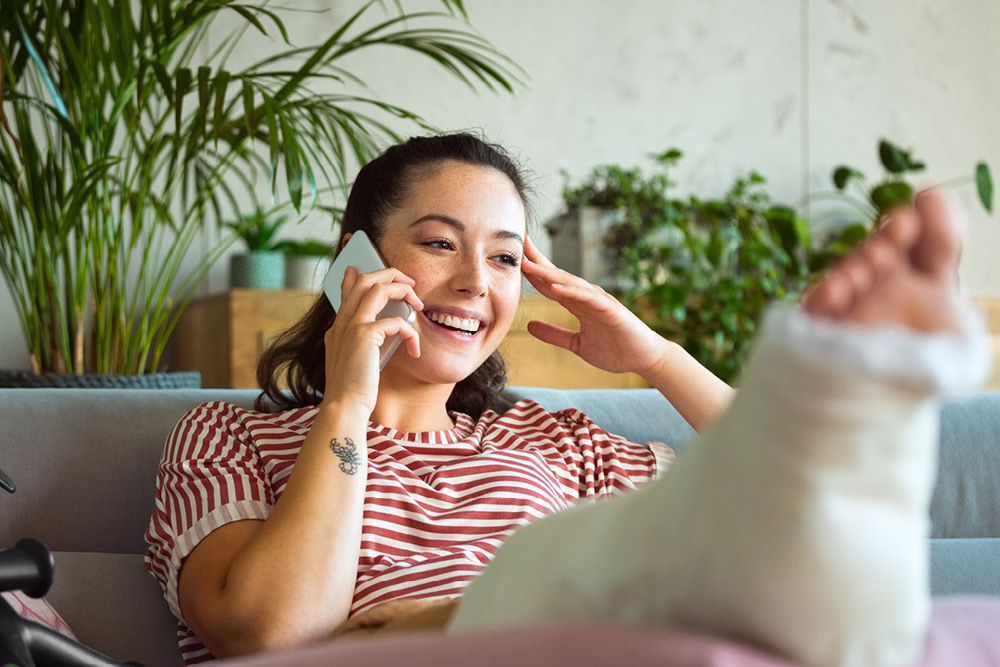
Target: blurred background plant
702	271
867	202
306	262
119	145
262	266
259	229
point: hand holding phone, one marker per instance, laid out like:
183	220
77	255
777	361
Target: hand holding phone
361	253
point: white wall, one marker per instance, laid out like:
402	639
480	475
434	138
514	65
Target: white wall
790	88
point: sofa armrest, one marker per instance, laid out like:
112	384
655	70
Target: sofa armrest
965	566
966	499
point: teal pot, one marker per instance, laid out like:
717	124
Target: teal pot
22	379
306	272
260	269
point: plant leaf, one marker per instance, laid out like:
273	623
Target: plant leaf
895	159
183	83
984	185
891	194
842	176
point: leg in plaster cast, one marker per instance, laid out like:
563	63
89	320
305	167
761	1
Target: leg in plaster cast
798	523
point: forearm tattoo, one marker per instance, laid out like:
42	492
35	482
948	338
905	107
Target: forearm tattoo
350	462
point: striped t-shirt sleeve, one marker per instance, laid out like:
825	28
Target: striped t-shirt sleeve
210	475
610	465
590	462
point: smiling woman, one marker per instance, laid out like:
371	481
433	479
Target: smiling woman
368	487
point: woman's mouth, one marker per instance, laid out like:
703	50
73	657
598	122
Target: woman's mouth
466	325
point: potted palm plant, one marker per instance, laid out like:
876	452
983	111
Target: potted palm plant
263	265
118	146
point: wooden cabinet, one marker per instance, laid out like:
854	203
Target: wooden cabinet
991	310
223	336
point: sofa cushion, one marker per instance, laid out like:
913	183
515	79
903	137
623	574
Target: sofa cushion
967	496
115	607
965	566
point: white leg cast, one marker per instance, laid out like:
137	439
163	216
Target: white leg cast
798	523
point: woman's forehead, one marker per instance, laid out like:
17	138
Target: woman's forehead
465	197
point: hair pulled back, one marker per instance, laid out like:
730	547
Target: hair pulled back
298	356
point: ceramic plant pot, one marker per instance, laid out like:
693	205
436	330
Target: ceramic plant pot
306	271
260	269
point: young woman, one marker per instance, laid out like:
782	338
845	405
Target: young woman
368	487
255	553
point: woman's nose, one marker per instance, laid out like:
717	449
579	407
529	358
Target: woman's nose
471	277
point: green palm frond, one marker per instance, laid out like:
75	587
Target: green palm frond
120	145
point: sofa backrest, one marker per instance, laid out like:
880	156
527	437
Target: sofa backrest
72	451
84	462
966	500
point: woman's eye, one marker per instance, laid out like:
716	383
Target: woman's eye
440	244
509	259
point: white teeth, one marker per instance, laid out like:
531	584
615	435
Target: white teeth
466	324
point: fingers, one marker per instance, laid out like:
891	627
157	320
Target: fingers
367	294
532	252
547	278
553	335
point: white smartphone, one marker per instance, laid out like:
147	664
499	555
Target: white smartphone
361	253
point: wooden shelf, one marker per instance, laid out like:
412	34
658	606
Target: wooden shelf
991	309
223	336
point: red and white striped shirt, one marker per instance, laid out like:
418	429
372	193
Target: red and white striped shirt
437	504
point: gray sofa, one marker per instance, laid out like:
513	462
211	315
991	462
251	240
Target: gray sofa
84	462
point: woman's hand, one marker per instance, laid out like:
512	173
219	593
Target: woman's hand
611	337
352	343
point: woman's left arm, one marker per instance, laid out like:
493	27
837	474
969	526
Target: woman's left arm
613	339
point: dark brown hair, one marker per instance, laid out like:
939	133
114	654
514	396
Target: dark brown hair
298	356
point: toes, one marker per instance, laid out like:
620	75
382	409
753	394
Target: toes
901	228
938	248
830	298
854	277
882	256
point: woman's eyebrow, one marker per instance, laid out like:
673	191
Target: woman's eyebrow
460	226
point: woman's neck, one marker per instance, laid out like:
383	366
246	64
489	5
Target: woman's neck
413	409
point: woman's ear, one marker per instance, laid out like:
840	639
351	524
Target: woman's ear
347	237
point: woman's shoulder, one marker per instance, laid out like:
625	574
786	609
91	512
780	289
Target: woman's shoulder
529	412
225	415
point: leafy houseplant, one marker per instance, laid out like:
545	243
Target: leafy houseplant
701	272
263	266
117	147
870	201
306	263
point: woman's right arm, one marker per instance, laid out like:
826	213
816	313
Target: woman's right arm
257	585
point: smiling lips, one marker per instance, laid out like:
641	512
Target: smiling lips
465	325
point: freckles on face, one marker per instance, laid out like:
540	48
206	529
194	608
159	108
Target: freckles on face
460	236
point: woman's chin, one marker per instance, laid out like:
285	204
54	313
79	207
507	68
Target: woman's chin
430	371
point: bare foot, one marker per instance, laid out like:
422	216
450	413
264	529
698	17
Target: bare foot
904	274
